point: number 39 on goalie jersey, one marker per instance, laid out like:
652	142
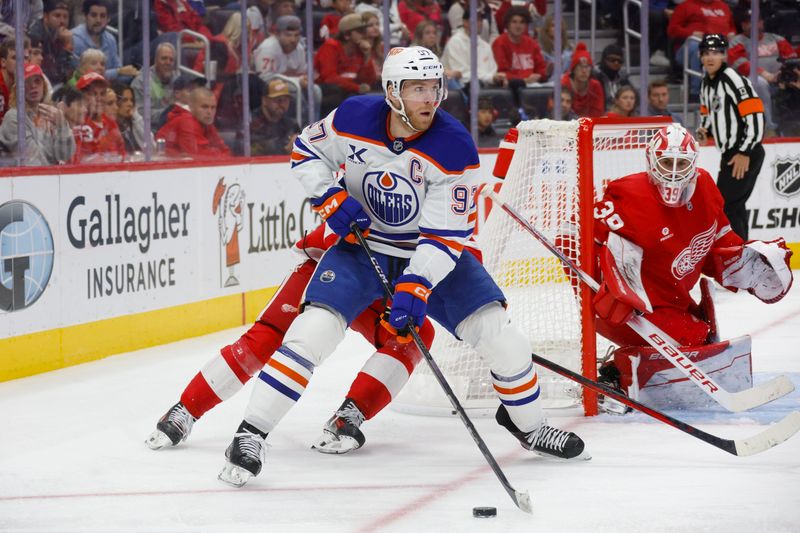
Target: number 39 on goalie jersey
419	191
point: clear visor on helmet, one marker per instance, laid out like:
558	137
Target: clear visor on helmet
433	91
674	174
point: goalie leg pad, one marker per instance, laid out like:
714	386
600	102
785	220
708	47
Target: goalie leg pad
652	380
508	350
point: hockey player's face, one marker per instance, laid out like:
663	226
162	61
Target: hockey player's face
712	60
420	98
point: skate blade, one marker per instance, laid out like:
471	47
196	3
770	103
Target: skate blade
331	443
337	445
157	440
583	456
235	476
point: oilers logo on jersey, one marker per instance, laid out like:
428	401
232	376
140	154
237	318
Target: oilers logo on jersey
390	197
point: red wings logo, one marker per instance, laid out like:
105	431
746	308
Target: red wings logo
697	250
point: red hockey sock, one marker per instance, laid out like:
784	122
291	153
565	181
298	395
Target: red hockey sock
198	397
369	394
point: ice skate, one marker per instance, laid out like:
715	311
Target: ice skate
609	375
546	440
341	433
245	456
172	429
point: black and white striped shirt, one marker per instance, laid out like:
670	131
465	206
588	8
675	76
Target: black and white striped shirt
731	111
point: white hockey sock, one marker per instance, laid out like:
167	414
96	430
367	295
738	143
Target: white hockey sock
519	393
277	389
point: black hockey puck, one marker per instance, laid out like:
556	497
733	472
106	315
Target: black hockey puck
484	512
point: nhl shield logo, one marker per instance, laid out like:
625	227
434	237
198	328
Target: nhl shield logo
786	177
390	197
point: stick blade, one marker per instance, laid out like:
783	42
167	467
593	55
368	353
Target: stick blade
760	394
770	437
523	501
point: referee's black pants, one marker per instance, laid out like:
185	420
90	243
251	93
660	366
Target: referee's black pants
736	192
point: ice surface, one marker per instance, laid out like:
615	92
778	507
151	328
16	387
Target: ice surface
72	456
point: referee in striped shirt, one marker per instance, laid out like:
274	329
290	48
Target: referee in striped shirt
731	113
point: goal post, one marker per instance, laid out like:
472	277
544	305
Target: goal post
558	171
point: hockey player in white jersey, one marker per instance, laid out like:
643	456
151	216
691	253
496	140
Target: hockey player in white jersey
407	185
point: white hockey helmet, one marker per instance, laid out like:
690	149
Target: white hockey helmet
672	164
412	63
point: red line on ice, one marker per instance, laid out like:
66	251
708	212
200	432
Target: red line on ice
230	490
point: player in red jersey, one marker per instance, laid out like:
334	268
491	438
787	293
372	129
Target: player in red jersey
381	378
657	232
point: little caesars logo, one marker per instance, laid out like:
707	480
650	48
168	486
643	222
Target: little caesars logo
228	205
786	176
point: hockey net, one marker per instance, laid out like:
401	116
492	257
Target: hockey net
558	171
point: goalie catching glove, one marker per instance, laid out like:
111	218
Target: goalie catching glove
759	267
410	301
339	210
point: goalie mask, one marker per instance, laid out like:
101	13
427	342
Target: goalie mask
672	164
412	63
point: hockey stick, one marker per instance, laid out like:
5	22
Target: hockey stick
663	343
521	499
766	439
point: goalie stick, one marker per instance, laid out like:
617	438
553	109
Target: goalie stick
766	439
663	343
521	499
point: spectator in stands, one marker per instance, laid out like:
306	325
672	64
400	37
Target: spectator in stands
162	77
547	43
273	130
283	8
173	16
399	34
695	18
51	30
624	105
373	40
93	34
73	105
457	55
130	122
35	56
8	69
48	138
412	12
8	16
536	8
427	35
344	69
282	53
516	53
490	25
787	101
182	90
610	73
487	136
588	99
192	133
772	48
330	23
102	141
658	101
566	105
92	60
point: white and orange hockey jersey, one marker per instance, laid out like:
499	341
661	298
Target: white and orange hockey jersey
419	191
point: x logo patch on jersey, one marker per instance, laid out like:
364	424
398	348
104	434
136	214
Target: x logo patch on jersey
355	154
